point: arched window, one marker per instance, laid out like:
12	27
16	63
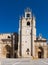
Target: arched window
28	15
28	23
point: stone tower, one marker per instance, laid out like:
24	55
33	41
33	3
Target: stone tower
27	35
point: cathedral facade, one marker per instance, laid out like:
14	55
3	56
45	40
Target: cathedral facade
25	43
29	45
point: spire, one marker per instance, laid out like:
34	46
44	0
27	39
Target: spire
40	35
28	10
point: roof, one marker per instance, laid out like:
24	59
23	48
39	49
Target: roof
40	39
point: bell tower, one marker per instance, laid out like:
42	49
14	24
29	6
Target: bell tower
27	34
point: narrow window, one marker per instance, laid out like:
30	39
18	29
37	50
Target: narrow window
27	51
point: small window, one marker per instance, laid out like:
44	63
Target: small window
28	23
28	15
27	51
9	37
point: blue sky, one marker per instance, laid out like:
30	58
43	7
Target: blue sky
11	10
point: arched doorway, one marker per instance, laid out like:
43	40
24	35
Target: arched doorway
40	52
8	51
8	55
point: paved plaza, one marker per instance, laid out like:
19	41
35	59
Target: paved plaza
24	61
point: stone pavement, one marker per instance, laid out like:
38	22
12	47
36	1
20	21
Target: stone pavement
24	61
